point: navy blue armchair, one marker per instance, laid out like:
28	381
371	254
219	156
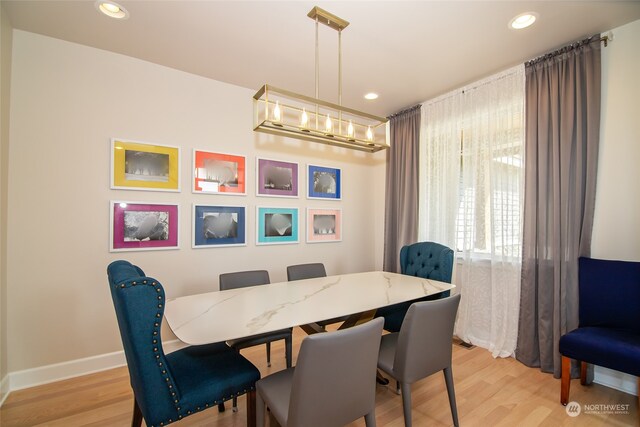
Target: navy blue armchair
609	325
428	260
169	387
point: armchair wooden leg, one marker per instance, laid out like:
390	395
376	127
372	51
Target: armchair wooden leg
251	408
565	381
136	420
583	373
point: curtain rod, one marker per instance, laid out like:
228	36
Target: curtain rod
405	111
572	46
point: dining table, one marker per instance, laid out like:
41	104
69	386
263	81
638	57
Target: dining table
220	316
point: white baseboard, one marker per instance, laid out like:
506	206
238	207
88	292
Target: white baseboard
74	368
615	379
4	389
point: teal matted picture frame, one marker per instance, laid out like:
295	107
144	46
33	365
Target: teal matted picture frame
276	226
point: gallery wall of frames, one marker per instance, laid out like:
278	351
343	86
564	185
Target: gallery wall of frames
144	226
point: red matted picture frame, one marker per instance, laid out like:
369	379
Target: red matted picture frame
143	226
219	173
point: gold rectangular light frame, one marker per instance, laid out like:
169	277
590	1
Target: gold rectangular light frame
291	106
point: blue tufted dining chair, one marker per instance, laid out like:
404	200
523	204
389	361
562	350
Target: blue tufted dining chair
428	260
169	387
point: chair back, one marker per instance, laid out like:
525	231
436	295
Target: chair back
334	381
305	271
609	293
428	260
424	341
243	279
139	305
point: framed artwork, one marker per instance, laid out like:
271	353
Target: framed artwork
219	173
276	225
143	226
324	183
142	166
276	178
218	226
324	225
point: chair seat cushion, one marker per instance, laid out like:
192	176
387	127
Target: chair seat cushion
210	374
616	349
387	353
245	342
276	392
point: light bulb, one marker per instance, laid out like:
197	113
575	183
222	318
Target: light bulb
111	7
276	112
328	125
350	129
304	119
369	134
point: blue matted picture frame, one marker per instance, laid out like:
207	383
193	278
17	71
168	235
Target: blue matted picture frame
324	183
276	226
218	226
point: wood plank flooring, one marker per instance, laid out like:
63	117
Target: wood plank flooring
490	392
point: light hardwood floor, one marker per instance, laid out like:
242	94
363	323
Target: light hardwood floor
490	392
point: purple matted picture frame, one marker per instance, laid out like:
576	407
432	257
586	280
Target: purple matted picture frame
276	178
137	226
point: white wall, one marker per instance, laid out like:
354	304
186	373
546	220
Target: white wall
616	228
67	102
5	85
616	223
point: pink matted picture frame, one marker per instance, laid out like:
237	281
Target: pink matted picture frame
143	226
324	225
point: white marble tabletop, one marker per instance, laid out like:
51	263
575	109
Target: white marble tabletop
223	315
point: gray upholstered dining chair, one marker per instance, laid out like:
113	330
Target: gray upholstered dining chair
243	279
332	384
421	348
305	271
310	271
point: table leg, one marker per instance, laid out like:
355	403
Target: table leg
357	319
312	328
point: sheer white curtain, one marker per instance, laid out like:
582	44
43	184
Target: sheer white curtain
471	185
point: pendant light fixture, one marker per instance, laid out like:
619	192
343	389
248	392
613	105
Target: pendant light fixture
285	113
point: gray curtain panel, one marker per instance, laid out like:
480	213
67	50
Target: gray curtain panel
401	200
561	156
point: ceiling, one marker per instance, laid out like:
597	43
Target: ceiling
407	51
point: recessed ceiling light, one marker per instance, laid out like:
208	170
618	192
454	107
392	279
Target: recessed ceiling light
371	95
523	20
111	9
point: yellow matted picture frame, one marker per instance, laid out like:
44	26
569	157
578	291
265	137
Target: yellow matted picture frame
139	165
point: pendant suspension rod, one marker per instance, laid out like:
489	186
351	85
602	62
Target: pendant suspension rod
317	72
340	68
340	80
